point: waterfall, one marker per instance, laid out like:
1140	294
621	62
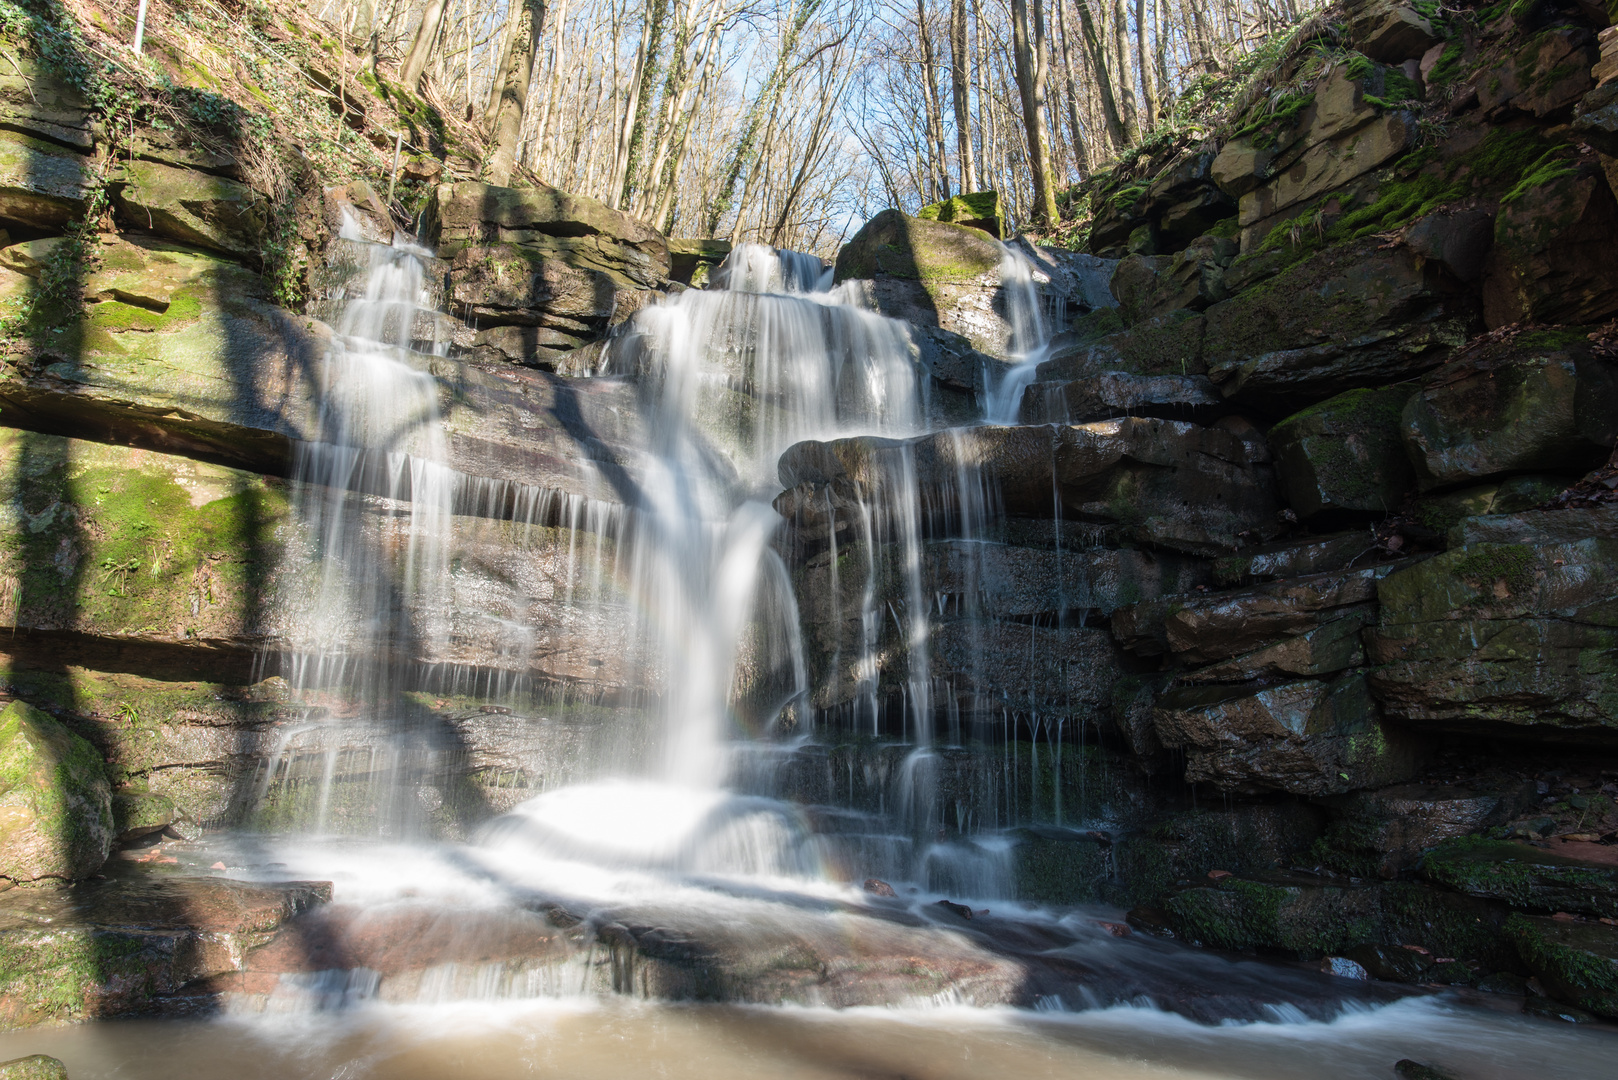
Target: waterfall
1030	336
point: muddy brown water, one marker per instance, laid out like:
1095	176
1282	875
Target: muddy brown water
637	1039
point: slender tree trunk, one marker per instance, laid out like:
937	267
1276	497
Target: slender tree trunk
1081	147
1124	65
492	107
958	84
1028	41
514	81
936	154
432	17
1143	53
1116	133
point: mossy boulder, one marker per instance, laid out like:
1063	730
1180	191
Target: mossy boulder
1183	848
1523	876
191	207
1344	457
55	805
33	1067
1576	962
1553	241
42	185
1355	315
121	945
1392	32
1502	638
931	273
979	210
1306	737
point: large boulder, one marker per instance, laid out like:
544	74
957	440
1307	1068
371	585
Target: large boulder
42	184
1391	32
197	208
574	229
55	805
1524	876
1354	315
519	285
1503	638
1162	482
1306	737
1552	258
1536	402
931	273
1344	457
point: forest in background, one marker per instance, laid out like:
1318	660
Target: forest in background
791	121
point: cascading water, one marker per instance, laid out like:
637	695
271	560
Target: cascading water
721	863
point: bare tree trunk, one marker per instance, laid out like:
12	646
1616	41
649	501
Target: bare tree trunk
930	97
432	17
518	73
1125	67
957	81
492	108
1028	41
1097	48
1143	54
1081	147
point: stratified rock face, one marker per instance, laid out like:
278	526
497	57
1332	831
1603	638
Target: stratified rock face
1546	74
1307	737
1163	482
1351	316
1345	455
1552	260
37	101
1341	131
55	805
1536	402
191	207
120	945
518	285
42	185
1162	345
931	273
1227	624
1115	393
574	229
1503	636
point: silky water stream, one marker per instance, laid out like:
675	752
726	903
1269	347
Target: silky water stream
555	938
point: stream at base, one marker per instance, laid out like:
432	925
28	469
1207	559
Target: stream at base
624	1039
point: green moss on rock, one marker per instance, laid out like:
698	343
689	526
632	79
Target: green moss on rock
55	803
